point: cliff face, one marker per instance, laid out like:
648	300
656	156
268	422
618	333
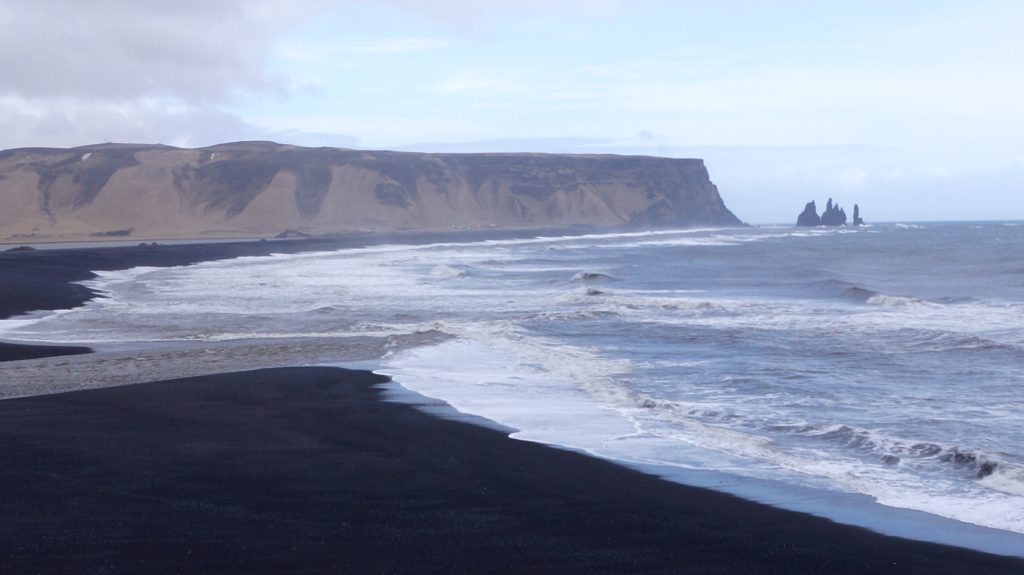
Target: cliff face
263	188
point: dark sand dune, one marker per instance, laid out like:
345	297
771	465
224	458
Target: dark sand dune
307	470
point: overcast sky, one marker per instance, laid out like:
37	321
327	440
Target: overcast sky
914	110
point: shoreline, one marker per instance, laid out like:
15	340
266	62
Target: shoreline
845	508
76	259
313	469
10	351
46	279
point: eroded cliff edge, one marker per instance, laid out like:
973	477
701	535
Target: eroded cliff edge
262	188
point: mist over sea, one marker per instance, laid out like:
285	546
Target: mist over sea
883	363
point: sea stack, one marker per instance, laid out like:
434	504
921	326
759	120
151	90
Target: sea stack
832	216
809	217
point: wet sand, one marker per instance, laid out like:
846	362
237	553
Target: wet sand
20	351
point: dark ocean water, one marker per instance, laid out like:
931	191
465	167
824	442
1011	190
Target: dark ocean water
884	362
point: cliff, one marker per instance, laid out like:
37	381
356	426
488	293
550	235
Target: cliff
261	188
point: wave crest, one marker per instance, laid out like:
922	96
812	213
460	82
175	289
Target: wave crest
590	277
447	272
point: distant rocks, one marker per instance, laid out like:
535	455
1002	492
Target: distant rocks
832	216
809	217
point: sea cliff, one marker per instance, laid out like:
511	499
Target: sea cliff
254	189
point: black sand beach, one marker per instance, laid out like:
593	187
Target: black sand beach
16	351
308	470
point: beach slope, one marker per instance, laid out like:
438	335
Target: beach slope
309	470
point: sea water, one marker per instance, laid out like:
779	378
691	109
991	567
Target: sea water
880	365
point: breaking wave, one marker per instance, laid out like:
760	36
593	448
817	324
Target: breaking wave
867	445
859	294
943	341
447	272
590	277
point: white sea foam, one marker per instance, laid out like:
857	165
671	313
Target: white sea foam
509	382
446	272
1009	480
893	300
590	276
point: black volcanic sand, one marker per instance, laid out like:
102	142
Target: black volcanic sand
307	470
16	351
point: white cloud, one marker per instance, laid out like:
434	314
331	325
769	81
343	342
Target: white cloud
852	177
64	122
475	13
80	72
196	51
396	45
487	83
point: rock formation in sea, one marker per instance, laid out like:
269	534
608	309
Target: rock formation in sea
832	216
857	221
809	217
130	191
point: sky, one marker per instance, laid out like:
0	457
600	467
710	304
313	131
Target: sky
912	109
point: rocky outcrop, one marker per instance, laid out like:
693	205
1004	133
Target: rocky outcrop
263	188
809	217
832	216
857	221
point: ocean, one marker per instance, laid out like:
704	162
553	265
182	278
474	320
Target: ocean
873	375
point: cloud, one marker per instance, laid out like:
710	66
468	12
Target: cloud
397	46
191	50
548	145
68	122
71	123
80	72
463	13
